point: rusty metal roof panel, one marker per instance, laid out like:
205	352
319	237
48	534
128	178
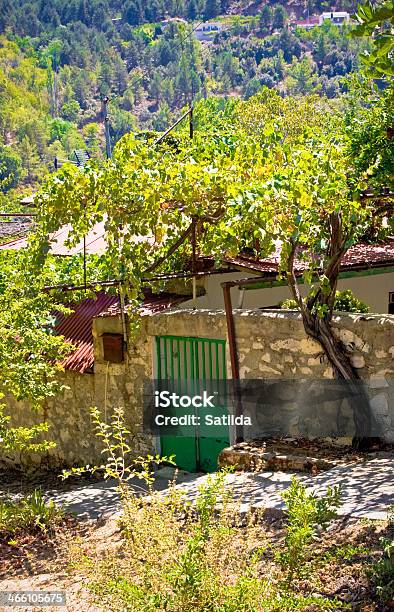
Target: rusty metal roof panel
77	327
153	302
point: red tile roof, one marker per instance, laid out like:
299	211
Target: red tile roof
95	241
77	327
369	255
361	256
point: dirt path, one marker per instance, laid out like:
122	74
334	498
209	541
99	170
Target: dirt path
44	564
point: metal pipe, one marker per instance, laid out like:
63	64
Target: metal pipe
191	124
18	214
158	277
242	282
227	285
233	357
228	307
241	297
158	141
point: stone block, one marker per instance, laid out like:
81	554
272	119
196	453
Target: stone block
379	404
378	382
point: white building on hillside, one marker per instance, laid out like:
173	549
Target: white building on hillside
206	31
336	17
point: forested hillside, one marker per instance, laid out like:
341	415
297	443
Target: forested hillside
59	59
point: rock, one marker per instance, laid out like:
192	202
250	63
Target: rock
357	361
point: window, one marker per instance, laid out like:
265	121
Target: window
391	302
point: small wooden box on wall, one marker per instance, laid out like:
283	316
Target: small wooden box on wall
113	347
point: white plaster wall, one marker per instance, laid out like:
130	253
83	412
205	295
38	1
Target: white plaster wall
373	290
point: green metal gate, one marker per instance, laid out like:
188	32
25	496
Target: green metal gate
193	361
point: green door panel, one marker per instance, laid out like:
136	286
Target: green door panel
194	362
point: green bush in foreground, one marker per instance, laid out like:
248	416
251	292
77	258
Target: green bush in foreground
181	552
306	514
382	572
204	555
31	512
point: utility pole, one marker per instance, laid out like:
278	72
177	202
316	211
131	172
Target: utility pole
106	127
55	92
191	124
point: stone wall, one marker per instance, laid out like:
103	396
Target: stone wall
111	385
271	344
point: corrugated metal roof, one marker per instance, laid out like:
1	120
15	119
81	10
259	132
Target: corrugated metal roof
77	327
153	302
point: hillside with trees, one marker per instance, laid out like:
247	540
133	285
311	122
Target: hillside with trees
59	60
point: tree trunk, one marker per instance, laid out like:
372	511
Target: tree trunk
365	425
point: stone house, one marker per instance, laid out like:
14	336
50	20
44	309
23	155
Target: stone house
184	334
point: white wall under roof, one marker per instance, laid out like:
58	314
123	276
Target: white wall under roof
373	290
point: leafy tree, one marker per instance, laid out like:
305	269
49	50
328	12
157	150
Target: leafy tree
212	9
279	17
133	12
252	88
301	77
165	53
267	170
192	10
288	44
70	111
377	21
30	353
155	89
267	80
265	19
162	118
29	158
59	128
10	168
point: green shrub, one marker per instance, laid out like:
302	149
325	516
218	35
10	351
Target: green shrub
200	556
382	573
345	301
306	513
10	168
197	555
120	462
30	513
